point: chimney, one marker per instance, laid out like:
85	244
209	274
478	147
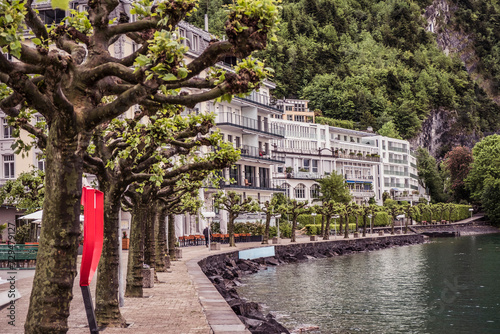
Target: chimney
369	129
206	22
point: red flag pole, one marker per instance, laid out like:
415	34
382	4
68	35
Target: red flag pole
93	234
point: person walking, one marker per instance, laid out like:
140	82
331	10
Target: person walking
207	235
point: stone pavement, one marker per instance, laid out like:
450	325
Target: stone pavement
176	305
183	302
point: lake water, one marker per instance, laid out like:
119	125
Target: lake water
450	285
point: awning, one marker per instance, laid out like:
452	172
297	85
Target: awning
395	189
37	217
352	181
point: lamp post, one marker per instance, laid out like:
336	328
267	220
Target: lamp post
401	223
471	210
209	215
335	225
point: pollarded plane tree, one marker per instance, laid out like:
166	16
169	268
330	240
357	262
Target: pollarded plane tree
270	208
293	208
235	205
181	175
329	209
66	84
123	152
411	211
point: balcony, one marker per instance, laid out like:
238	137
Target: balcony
413	165
397	149
397	161
356	157
261	99
225	118
414	176
264	184
395	185
359	178
362	193
255	152
396	173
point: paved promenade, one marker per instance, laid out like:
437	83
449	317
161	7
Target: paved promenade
172	306
183	302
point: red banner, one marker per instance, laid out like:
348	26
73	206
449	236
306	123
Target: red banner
93	230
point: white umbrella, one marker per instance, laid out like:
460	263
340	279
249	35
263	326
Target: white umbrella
37	216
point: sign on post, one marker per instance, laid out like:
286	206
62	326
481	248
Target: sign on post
93	234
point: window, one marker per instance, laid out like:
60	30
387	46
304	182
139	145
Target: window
234	174
314	191
299	118
307	165
8	166
300	191
237	142
230	138
289	117
196	42
315	166
52	16
41	163
7	129
286	187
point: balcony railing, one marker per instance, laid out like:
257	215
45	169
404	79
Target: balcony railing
264	184
250	124
397	173
356	157
362	193
413	165
395	185
262	99
358	177
397	149
414	176
254	152
397	161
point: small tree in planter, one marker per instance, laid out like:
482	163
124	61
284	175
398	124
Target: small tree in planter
234	205
22	234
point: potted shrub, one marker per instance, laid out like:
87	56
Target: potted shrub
125	241
359	154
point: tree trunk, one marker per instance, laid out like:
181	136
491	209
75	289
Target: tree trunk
323	225
326	232
107	308
57	254
149	237
230	230
265	238
136	252
357	228
294	227
406	224
364	225
346	234
392	225
341	223
161	241
171	236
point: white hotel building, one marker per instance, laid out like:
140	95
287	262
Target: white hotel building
371	164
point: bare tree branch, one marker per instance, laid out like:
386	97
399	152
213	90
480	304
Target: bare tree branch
109	69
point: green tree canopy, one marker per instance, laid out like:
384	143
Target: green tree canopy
333	187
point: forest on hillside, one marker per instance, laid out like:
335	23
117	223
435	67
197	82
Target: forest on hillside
372	62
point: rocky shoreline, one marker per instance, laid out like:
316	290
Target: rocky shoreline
224	271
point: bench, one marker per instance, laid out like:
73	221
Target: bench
18	256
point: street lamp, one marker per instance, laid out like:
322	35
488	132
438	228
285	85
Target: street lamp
335	225
314	214
209	215
471	210
401	223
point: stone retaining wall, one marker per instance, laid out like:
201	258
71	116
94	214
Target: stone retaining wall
224	271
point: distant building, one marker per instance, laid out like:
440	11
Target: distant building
295	110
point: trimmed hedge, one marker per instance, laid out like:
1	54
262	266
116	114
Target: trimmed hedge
460	212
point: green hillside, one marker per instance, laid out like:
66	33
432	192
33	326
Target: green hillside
374	61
